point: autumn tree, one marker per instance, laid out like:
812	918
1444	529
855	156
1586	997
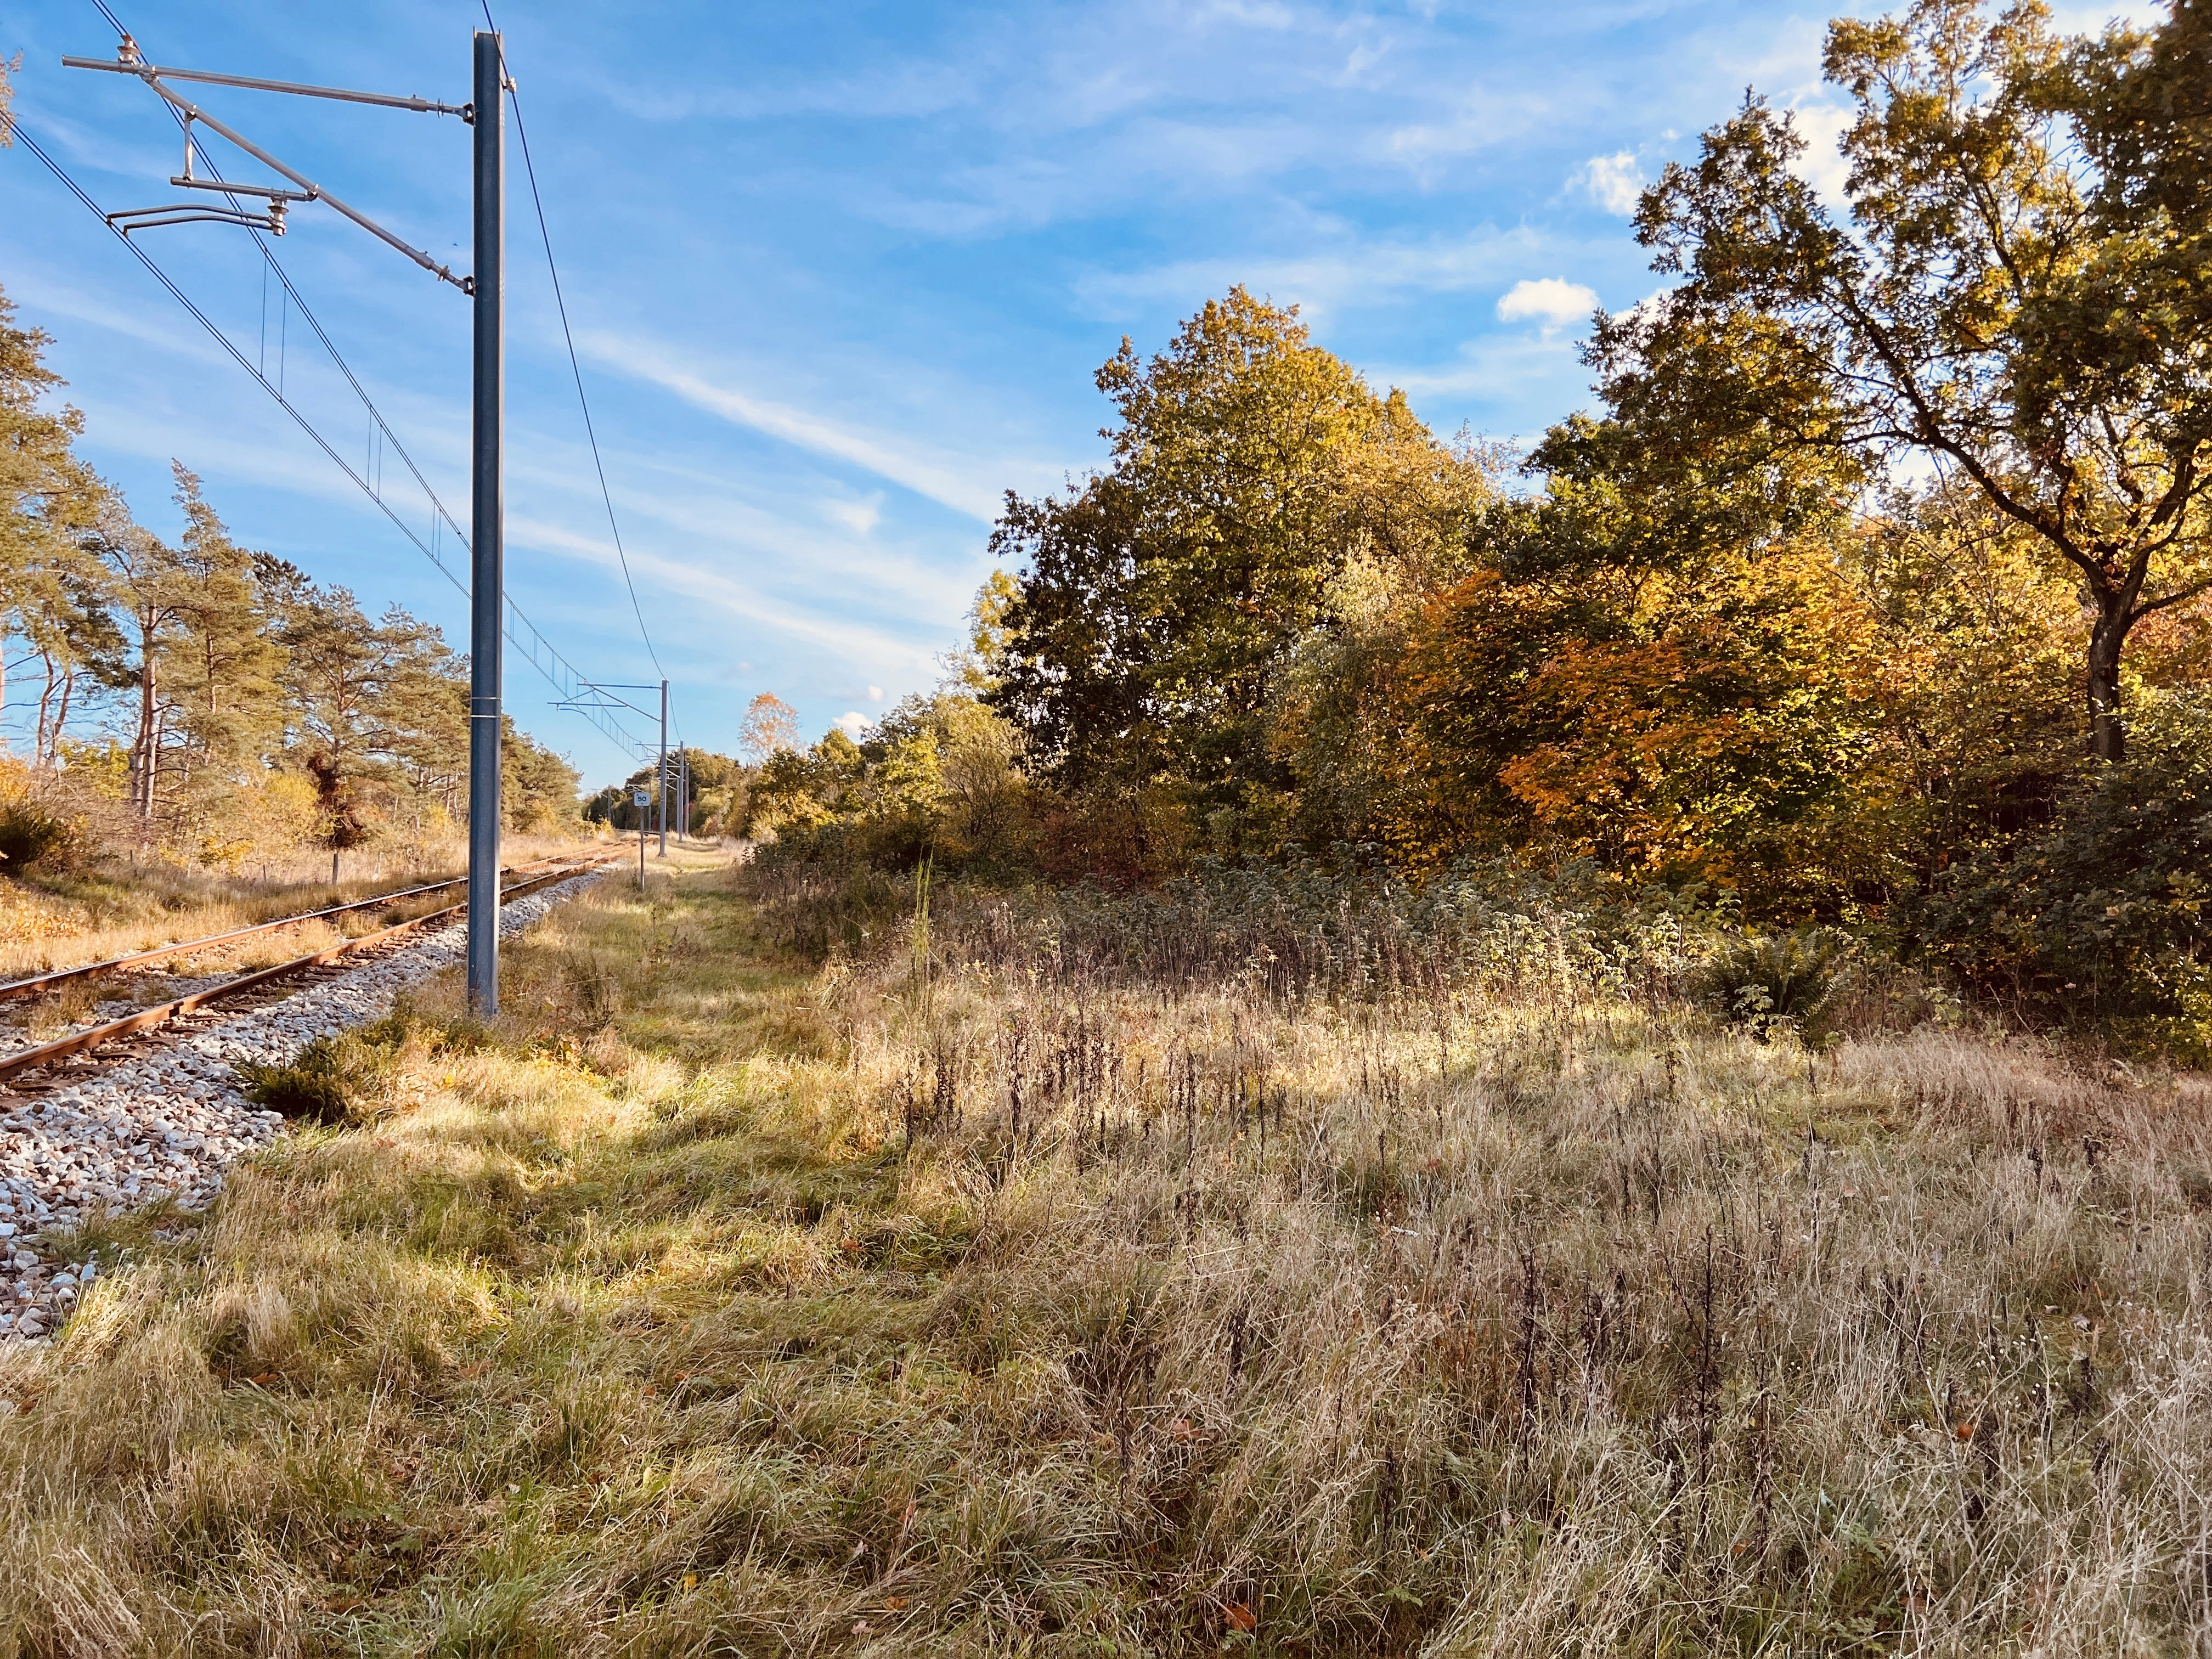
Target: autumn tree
1159	605
977	666
2015	292
770	725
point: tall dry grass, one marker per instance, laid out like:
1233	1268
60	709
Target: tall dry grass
978	1299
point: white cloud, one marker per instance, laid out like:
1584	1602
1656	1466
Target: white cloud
875	694
822	627
858	517
1822	164
1494	363
1324	279
938	478
853	723
1487	116
1553	301
1613	182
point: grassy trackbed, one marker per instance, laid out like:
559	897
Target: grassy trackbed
712	1303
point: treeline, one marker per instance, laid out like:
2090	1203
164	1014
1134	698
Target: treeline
1873	596
718	797
224	706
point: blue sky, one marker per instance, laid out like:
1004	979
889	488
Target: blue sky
839	275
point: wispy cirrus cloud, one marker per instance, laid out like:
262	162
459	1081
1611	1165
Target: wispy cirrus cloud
853	643
1324	279
948	480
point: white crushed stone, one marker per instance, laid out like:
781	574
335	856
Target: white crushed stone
166	1125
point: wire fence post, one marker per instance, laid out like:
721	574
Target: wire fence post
487	583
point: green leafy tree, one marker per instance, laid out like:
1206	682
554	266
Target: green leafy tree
49	587
347	681
151	591
2096	915
538	786
2017	293
66	621
718	792
222	659
425	730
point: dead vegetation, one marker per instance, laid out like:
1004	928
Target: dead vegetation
973	1295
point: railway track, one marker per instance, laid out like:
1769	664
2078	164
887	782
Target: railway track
46	984
45	1067
150	1109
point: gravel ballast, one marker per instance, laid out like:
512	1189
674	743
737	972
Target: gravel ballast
166	1125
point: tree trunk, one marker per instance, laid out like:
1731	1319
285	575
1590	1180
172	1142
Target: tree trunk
2108	736
143	751
41	749
61	716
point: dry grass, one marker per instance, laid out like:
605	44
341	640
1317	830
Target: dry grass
117	909
712	1305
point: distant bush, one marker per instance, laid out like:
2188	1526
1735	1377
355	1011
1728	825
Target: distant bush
52	822
29	835
939	778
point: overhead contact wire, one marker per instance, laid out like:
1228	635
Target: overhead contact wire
309	428
576	369
383	426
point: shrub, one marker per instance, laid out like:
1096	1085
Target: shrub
29	834
2097	916
1773	982
334	1079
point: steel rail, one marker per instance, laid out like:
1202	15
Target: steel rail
27	1060
40	984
